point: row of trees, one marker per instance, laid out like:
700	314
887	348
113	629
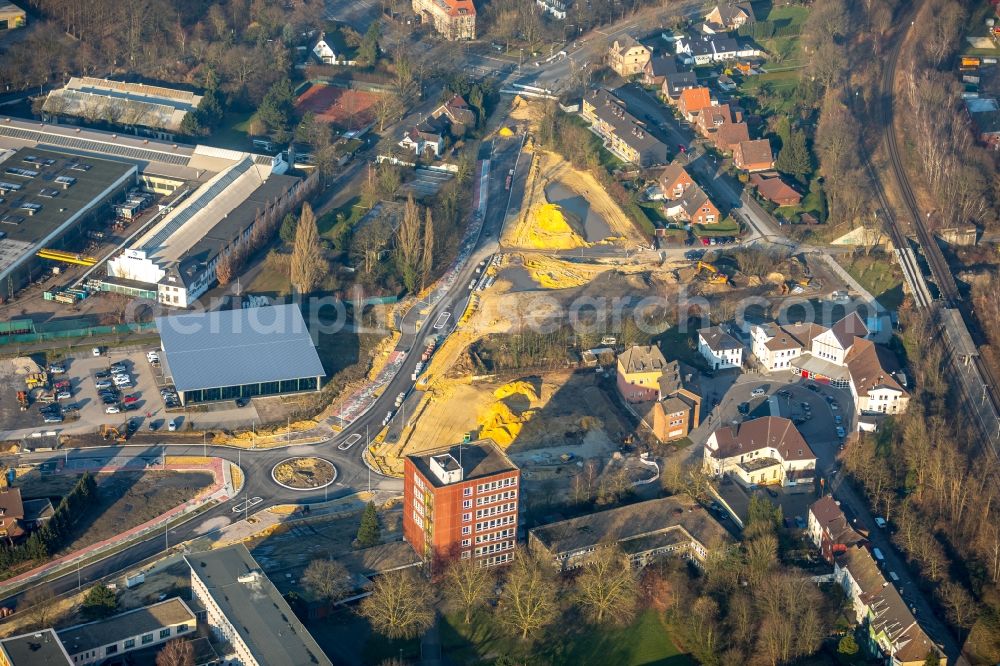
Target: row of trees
57	531
941	496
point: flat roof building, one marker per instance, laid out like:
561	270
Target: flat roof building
128	104
48	199
245	609
37	648
646	531
93	642
462	501
229	354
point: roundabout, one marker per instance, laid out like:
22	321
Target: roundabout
304	473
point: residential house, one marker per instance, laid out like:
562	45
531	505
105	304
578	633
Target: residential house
731	135
873	379
427	138
762	451
655	71
891	629
674	181
829	530
720	349
674	83
726	83
727	17
773	188
452	19
695	207
12	16
11	513
754	155
835	343
776	347
557	9
647	531
461	117
325	54
625	134
708	49
712	118
627	57
638	373
692	101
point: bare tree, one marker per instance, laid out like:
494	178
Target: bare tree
427	255
401	604
308	265
224	269
468	585
178	652
38	604
528	601
327	580
607	588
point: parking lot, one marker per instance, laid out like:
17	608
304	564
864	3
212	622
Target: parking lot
817	411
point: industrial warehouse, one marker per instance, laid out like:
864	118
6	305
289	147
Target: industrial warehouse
210	200
48	200
246	353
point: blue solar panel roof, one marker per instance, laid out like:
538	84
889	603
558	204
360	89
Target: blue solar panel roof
233	347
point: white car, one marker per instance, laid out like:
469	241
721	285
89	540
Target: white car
758	391
172	426
96	351
112	409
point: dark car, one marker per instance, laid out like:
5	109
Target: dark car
744	408
813	388
242	402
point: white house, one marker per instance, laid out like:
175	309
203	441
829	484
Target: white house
764	451
834	344
719	348
423	141
873	384
774	347
326	55
706	49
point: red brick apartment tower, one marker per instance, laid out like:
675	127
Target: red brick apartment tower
462	501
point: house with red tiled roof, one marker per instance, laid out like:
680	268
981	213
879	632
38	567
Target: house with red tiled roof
11	513
459	114
772	187
764	451
728	136
452	19
692	101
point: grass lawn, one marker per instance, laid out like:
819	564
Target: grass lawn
879	274
785	15
654	211
232	132
644	642
725	228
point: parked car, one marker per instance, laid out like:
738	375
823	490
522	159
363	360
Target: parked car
112	409
96	351
102	374
172	425
240	402
130	400
57	369
841	432
63	395
880	521
52	417
758	391
838	419
743	408
103	384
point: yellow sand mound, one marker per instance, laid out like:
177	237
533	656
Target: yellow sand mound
521	387
551	219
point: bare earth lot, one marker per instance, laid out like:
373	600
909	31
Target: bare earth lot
126	499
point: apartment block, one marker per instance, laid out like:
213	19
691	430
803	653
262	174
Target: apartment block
462	501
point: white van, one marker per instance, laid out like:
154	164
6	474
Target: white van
893	576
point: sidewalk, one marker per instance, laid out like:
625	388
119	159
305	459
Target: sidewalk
219	491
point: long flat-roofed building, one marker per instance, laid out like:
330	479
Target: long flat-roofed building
37	648
646	531
462	501
93	642
128	104
245	609
245	353
48	200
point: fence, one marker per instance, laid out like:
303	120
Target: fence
88	332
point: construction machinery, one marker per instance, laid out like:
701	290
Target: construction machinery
36	380
715	276
115	433
22	400
66	257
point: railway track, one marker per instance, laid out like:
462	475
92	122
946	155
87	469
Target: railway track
953	327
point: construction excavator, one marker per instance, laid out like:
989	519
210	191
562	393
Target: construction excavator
715	276
115	433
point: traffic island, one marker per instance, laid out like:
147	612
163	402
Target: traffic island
304	473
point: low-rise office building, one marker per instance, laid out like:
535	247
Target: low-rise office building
246	610
646	531
95	642
35	648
